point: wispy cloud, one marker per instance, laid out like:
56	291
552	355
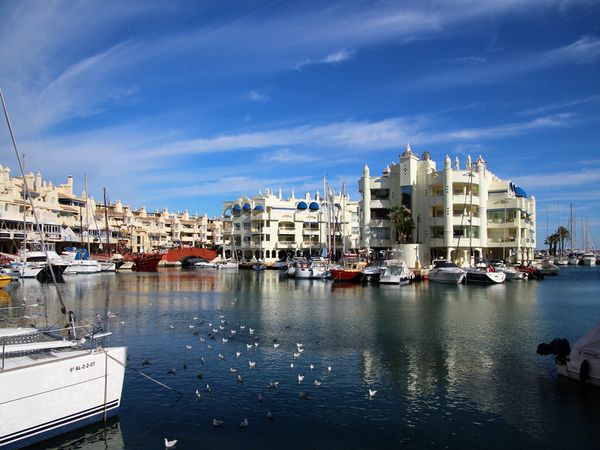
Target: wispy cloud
584	50
573	178
287	156
257	96
558	105
332	58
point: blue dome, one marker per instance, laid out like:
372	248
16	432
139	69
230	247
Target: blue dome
236	207
246	207
259	208
314	206
302	205
520	192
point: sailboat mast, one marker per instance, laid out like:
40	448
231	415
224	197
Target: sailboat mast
63	308
106	223
87	212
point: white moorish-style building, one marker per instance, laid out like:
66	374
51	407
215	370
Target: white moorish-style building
269	227
460	213
71	220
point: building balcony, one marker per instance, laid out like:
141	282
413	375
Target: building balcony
435	200
380	242
379	204
286	229
284	245
464	242
465	200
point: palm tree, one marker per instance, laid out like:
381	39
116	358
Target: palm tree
552	241
563	235
401	218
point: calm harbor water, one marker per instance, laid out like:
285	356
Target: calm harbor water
453	366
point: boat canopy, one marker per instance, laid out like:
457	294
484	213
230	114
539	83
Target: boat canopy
590	343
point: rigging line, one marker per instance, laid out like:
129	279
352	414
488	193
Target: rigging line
141	373
63	308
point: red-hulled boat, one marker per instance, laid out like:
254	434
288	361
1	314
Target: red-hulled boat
144	262
352	271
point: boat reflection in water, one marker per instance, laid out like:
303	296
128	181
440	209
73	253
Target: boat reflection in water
452	365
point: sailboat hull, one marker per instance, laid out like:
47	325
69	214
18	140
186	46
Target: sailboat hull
43	398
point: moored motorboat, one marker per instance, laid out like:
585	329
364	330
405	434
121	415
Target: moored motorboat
446	272
582	362
588	259
352	270
481	275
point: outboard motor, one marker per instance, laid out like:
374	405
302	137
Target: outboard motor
558	347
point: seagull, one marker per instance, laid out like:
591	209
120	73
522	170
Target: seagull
273	384
299	345
189	347
233	370
248	346
215	330
329	369
218	423
238	354
195	318
209	324
240	379
146	362
251	330
208	389
170	444
190	326
256	344
111	315
244	423
242	327
225	340
171	326
296	354
202	360
317	383
260	398
171	370
209	347
221	327
300	378
122	323
312	366
275	344
252	364
269	415
303	396
221	356
300	350
198	395
202	339
291	365
372	393
221	316
233	331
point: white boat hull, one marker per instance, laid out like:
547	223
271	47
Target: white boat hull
49	396
572	368
447	276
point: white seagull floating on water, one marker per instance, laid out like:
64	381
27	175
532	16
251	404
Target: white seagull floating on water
170	444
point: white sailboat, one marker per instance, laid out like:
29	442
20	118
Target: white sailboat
54	380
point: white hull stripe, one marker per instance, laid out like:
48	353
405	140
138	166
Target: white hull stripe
29	432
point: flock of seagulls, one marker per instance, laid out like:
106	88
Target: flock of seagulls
220	333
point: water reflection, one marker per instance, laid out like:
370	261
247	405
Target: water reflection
453	365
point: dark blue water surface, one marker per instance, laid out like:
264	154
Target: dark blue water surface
453	366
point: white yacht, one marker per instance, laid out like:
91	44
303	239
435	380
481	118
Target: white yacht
588	259
396	272
446	272
52	384
310	270
511	273
79	262
203	264
481	275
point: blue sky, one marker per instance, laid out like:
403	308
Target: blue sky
187	104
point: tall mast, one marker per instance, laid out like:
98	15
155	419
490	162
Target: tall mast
106	222
87	212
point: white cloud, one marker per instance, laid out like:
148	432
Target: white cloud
568	179
332	58
583	51
257	96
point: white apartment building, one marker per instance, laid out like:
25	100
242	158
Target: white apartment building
269	227
70	220
460	213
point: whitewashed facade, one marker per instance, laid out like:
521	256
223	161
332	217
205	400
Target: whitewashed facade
269	227
66	222
460	213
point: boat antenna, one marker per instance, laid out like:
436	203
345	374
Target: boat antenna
63	309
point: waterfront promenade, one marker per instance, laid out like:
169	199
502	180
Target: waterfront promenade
453	366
